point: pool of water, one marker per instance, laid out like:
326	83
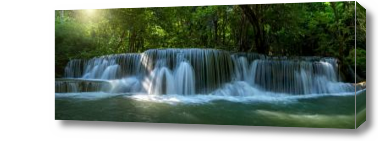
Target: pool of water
323	111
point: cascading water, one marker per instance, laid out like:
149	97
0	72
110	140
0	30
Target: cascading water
241	68
297	76
111	72
206	71
185	79
130	84
74	68
162	82
104	67
71	85
208	86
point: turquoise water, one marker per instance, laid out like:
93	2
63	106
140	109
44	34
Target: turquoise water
324	111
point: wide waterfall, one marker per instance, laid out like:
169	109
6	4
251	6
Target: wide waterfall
203	71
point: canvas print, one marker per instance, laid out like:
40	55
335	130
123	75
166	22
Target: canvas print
289	64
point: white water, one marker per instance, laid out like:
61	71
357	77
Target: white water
87	95
111	72
198	99
252	97
130	84
184	79
192	72
162	82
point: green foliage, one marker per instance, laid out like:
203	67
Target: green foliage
323	29
359	59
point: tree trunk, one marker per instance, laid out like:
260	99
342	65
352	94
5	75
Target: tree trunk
338	36
224	29
132	41
260	41
215	22
121	40
242	33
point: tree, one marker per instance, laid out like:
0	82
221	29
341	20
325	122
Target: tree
321	29
252	13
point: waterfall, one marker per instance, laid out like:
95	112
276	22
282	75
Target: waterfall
241	68
72	85
185	79
296	76
212	67
111	72
162	82
205	71
73	68
125	85
104	67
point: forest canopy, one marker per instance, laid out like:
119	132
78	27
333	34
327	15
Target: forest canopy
295	29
